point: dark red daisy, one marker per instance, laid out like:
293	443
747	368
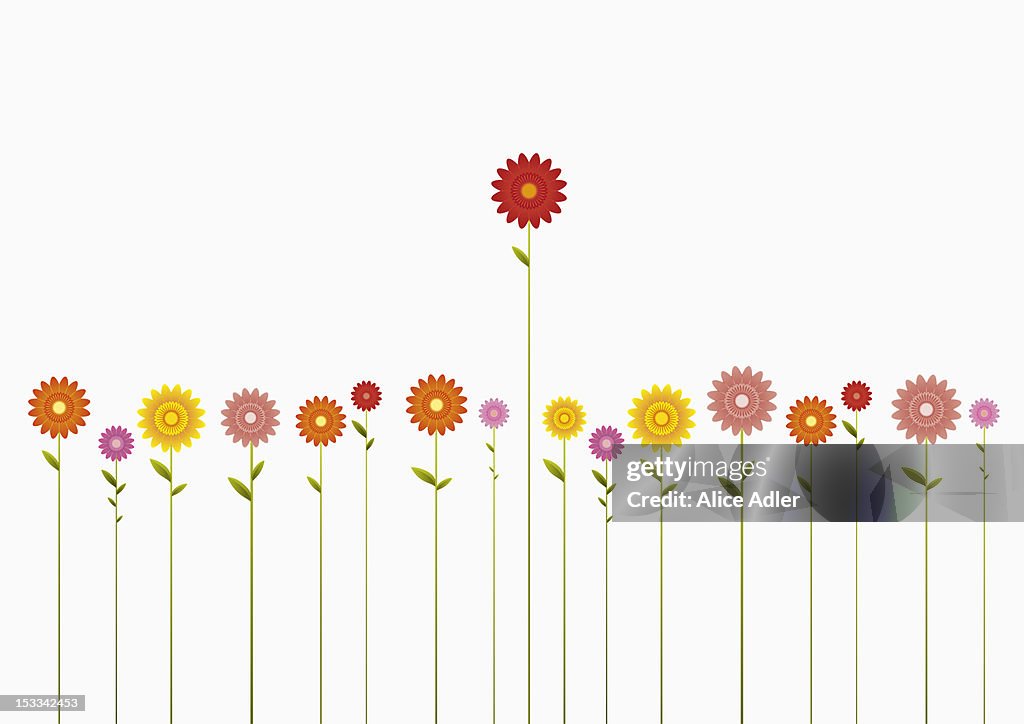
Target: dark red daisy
856	396
366	396
528	190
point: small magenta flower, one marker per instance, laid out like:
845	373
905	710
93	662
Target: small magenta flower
116	443
606	443
494	413
984	413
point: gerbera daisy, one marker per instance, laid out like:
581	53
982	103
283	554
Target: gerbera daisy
436	404
926	409
856	396
320	420
661	417
606	443
249	417
741	401
366	396
171	417
564	418
58	407
494	413
116	443
811	420
529	190
984	413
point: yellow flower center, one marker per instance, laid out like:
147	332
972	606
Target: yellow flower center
528	190
59	407
810	421
436	404
661	418
171	418
564	418
320	421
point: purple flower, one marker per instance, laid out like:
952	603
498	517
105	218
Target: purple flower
606	443
116	443
494	413
984	413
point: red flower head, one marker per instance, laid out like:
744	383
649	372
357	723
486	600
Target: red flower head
856	396
528	190
366	396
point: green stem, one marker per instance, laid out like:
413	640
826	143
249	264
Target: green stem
564	617
529	480
320	482
607	514
743	488
926	479
252	498
810	617
170	649
984	576
856	568
117	500
436	481
366	572
661	604
494	575
58	576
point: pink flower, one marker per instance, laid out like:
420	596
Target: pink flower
494	413
606	443
741	401
116	443
926	409
984	413
249	417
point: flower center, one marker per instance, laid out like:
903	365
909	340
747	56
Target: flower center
983	413
366	395
742	400
856	395
494	412
606	443
436	404
564	418
528	190
171	418
926	409
59	407
660	418
116	443
320	421
810	421
250	417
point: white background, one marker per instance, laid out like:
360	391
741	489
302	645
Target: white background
295	196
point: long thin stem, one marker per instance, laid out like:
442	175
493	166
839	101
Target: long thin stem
743	486
607	514
170	500
436	481
661	604
494	575
926	479
116	514
58	578
856	568
564	617
529	479
984	576
320	482
252	505
810	617
366	570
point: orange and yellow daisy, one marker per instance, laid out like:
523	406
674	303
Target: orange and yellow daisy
564	418
171	418
811	420
436	404
58	407
661	417
320	420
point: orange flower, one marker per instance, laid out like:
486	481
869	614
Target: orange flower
811	420
320	420
58	407
436	404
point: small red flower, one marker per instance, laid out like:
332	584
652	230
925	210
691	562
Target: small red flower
856	396
366	396
528	190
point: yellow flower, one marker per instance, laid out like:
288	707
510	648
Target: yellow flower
171	418
564	418
661	417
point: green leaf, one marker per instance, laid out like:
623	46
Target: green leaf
120	488
178	489
554	469
110	478
850	428
111	501
521	255
161	469
860	443
608	519
915	476
425	476
369	443
730	487
52	460
611	488
314	483
119	519
980	446
601	501
257	470
804	483
359	427
240	488
600	478
489	446
933	483
670	488
443	483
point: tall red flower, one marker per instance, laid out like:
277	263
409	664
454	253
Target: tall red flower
528	190
856	396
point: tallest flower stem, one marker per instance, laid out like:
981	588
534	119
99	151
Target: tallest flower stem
170	599
58	578
436	491
252	498
564	617
529	479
